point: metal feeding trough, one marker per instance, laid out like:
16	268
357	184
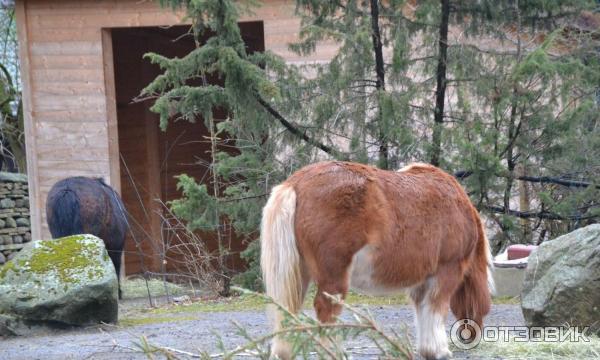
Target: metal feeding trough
509	270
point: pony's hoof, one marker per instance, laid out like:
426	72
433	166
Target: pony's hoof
443	357
280	350
446	355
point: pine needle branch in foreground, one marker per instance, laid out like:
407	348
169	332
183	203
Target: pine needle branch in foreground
308	337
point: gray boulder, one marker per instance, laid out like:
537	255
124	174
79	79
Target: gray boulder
562	281
67	282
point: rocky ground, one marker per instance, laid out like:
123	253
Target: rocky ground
196	332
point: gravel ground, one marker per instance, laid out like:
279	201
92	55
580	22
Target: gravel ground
198	333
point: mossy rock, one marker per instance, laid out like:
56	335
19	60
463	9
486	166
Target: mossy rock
562	281
67	281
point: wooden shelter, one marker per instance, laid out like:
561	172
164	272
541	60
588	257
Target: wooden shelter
81	65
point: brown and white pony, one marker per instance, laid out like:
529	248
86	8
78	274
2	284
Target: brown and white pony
345	225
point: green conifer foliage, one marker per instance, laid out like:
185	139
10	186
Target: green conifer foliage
503	93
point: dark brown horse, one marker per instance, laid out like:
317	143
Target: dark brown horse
81	205
344	225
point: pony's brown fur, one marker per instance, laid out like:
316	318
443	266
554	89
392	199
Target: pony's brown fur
341	224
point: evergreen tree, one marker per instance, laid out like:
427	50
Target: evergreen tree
12	134
249	96
502	93
519	106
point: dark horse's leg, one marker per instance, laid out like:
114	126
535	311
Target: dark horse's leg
115	256
116	229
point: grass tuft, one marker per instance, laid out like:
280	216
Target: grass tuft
246	302
134	288
135	321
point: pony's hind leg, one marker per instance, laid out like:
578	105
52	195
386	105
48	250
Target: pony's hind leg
332	277
328	309
116	256
431	300
333	281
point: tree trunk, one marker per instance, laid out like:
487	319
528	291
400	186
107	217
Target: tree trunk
513	129
524	203
440	91
380	85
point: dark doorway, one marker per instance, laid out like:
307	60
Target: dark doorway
149	158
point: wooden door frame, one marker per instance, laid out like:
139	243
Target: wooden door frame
112	128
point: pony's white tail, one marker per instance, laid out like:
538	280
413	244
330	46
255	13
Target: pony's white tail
280	259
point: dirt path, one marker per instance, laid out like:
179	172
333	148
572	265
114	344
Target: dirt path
195	334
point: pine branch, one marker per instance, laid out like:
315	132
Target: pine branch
463	174
558	181
538	215
244	198
295	131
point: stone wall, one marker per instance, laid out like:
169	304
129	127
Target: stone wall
15	229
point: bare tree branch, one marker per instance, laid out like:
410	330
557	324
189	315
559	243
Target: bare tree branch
295	131
463	174
539	215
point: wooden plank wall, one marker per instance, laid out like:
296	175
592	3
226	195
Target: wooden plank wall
70	129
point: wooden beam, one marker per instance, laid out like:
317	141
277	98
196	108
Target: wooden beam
154	188
111	110
111	121
30	134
